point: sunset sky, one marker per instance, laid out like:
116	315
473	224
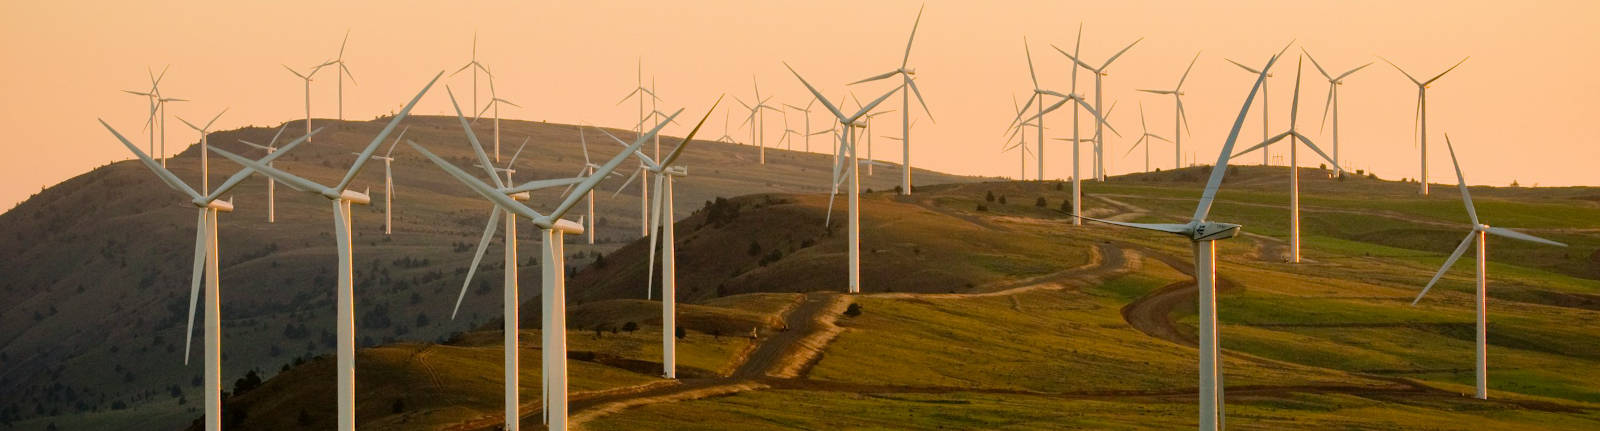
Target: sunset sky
1515	110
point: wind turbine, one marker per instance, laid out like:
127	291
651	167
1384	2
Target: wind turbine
494	103
788	133
849	170
1180	120
1099	76
807	112
1332	103
1147	139
553	287
307	78
726	138
158	109
388	182
272	197
1021	133
1421	120
205	265
1479	235
344	70
205	148
475	66
1294	135
758	119
907	80
1266	110
341	197
1204	234
644	187
1038	94
661	221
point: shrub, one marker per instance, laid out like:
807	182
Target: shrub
988	196
982	207
1002	199
681	333
630	327
853	310
1040	202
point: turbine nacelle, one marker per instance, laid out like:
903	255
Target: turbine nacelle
219	205
347	195
1213	231
568	227
521	197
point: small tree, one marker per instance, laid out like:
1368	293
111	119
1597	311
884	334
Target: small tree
1066	205
755	248
982	207
1040	202
630	327
399	406
681	333
853	310
1002	199
988	196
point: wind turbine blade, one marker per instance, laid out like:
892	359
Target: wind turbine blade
606	169
477	256
1097	116
200	246
655	230
815	93
1136	145
396	142
1441	74
1263	144
1508	233
1221	168
366	154
868	108
1466	198
246	172
1314	63
1029	52
472	138
1342	75
1123	51
918	92
1241	66
296	73
630	95
1185	116
640	154
1074	58
877	77
1327	103
293	181
346	70
1403	71
543	184
1314	148
1180	229
628	182
1185	76
513	160
907	58
499	198
165	175
584	143
1447	263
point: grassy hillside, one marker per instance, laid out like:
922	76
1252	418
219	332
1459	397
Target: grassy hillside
97	267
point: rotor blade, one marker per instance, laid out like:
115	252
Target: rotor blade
584	143
543	184
606	169
629	181
472	138
1466	198
640	154
165	175
1029	52
877	77
513	160
1180	229
655	228
293	181
1241	66
247	172
918	92
1314	63
1441	74
1508	233
483	245
1326	103
1402	72
1074	58
1314	148
1186	71
1221	168
200	255
1124	50
1342	75
1097	116
366	154
396	142
1263	144
817	94
630	95
907	58
1447	264
868	108
499	198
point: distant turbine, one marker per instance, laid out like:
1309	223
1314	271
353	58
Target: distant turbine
272	197
644	187
553	296
906	82
1099	90
807	112
1021	133
1332	103
1148	138
494	103
1180	119
206	255
158	109
1421	120
476	67
1478	234
307	78
758	120
205	149
1294	167
1266	110
340	196
846	144
1094	113
344	70
1203	234
388	182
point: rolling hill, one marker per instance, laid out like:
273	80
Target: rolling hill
97	267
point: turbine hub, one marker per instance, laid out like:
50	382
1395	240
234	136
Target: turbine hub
1213	231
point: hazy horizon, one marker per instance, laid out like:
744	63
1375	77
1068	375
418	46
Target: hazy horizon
1513	109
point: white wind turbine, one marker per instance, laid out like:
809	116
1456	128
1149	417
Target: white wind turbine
272	196
807	112
307	78
1294	136
388	182
1096	137
661	221
1479	235
344	70
787	139
205	265
1147	139
341	197
1038	94
1266	110
644	187
205	148
726	138
1204	234
758	119
475	66
1099	91
1180	119
847	148
494	103
553	287
907	81
158	113
1021	133
1332	103
1421	120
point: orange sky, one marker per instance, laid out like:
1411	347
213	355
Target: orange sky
1514	109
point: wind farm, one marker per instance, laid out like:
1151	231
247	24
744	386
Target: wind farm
1014	277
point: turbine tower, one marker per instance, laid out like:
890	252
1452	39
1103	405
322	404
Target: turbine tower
476	67
206	254
553	296
494	103
849	170
158	110
1421	120
1294	136
1180	120
644	187
388	182
205	149
758	120
1204	234
1479	235
341	197
1332	103
307	78
907	81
